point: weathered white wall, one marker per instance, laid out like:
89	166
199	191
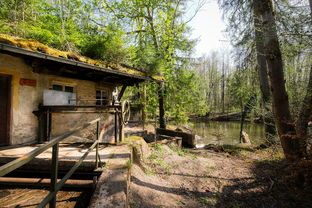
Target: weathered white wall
25	99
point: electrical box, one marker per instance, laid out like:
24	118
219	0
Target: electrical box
54	97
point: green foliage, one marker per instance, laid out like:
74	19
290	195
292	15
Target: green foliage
151	36
293	19
160	36
241	88
186	97
65	25
43	35
182	152
108	47
147	59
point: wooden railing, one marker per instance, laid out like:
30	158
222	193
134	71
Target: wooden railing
54	143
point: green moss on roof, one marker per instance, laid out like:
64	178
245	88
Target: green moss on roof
39	47
160	78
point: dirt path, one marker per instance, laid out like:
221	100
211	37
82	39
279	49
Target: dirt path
175	178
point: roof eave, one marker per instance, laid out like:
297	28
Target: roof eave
36	54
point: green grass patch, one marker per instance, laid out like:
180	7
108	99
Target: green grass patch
157	153
155	159
153	156
149	171
182	152
238	149
128	164
205	201
133	141
158	147
164	165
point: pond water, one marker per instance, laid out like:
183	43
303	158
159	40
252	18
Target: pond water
215	132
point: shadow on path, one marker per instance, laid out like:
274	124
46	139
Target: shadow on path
269	188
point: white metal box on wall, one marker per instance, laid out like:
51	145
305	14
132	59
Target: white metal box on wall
54	97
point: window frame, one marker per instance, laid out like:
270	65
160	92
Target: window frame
63	85
103	101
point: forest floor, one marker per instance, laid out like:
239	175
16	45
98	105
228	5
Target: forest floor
240	176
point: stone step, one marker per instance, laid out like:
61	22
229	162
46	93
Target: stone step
113	184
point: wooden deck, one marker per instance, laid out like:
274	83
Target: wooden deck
112	186
68	155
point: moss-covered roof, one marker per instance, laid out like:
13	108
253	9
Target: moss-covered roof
39	47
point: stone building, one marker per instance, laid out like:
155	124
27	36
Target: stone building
45	92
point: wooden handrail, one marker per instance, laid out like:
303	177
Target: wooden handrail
60	184
54	185
9	167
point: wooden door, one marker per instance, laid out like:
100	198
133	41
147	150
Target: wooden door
5	109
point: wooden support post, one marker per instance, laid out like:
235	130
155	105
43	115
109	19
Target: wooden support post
42	125
116	126
122	91
144	107
54	170
97	145
49	114
121	123
162	122
121	132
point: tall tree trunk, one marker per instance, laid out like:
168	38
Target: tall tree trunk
162	122
305	115
161	91
144	110
262	67
270	131
280	103
223	85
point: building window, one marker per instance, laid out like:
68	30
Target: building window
102	97
63	88
69	89
57	87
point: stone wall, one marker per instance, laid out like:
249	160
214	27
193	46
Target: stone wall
25	99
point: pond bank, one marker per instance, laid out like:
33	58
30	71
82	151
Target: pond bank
229	116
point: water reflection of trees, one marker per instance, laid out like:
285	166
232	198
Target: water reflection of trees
227	132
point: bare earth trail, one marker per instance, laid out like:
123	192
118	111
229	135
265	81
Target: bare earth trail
203	178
